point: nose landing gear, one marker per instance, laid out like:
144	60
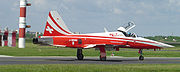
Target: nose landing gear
141	57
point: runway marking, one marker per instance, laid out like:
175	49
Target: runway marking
5	56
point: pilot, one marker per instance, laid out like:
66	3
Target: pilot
129	34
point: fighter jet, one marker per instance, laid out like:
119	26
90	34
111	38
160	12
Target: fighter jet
56	33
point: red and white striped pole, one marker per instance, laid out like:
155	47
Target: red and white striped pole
22	22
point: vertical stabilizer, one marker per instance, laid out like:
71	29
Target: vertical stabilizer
55	25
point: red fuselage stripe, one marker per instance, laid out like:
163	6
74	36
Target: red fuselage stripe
106	41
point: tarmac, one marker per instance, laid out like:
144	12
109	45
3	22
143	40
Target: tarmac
8	60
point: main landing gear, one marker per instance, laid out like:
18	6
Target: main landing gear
102	54
141	57
80	56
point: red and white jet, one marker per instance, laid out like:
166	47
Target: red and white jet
56	33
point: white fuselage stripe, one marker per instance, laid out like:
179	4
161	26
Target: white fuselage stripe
149	43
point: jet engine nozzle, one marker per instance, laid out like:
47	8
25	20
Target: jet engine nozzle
43	41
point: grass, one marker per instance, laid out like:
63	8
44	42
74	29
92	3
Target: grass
92	68
36	50
162	38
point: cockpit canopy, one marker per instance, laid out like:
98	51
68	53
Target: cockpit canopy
131	35
121	29
125	30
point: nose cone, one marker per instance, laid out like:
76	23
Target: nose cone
159	44
163	45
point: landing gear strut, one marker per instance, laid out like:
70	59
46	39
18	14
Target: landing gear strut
141	57
102	54
80	56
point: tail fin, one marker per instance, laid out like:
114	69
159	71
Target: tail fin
55	25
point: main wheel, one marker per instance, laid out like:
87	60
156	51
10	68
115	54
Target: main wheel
102	58
141	58
80	56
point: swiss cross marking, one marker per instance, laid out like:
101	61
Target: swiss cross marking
49	29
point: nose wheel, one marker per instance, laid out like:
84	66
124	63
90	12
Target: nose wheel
141	57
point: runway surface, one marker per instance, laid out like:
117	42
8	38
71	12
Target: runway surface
87	60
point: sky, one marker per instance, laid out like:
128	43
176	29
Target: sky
152	17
